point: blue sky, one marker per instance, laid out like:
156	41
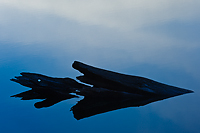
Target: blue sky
155	39
143	31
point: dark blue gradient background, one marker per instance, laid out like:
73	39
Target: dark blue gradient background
165	50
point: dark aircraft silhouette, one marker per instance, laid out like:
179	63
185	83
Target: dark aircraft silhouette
109	90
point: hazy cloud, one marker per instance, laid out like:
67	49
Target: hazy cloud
111	31
127	14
